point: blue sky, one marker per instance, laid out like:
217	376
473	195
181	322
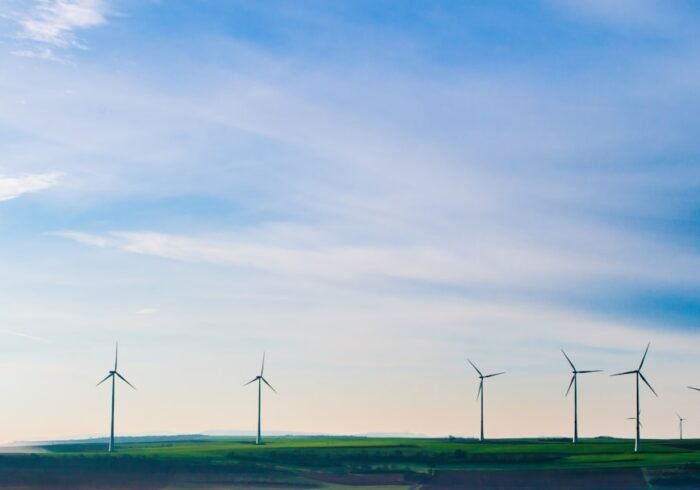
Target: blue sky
369	191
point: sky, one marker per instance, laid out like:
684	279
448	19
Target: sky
371	192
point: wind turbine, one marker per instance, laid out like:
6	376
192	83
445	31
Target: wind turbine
638	374
680	424
114	374
480	393
260	379
574	383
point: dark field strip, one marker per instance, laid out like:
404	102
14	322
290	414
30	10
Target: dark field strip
324	462
104	472
616	479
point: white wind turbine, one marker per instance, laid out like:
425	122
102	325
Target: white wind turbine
480	393
260	379
680	424
638	374
114	375
574	382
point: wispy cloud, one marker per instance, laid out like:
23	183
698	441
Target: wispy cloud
45	28
147	311
14	187
46	54
491	263
84	238
55	21
23	335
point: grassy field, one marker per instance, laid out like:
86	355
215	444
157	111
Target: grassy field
335	463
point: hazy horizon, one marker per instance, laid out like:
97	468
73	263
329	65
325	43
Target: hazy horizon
250	436
370	192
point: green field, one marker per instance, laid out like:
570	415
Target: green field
339	462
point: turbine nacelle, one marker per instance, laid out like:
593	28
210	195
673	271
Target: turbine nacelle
114	372
482	376
575	372
638	371
260	377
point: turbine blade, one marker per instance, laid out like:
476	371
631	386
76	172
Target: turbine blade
124	379
570	385
476	368
481	385
105	379
569	360
694	388
626	372
268	384
262	368
252	380
494	374
647	383
116	355
590	371
644	357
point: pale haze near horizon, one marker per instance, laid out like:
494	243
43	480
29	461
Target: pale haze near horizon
370	192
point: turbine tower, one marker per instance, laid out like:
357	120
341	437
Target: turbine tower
114	375
638	374
680	425
480	393
260	379
574	383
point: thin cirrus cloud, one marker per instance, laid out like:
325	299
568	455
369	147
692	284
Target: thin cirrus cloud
520	265
53	24
14	187
85	238
147	311
46	54
23	335
55	21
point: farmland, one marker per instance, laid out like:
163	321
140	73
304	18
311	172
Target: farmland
355	462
